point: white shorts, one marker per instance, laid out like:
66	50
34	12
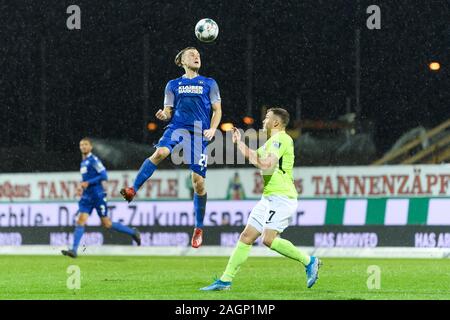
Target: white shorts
273	212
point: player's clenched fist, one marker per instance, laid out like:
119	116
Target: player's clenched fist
161	115
209	133
79	191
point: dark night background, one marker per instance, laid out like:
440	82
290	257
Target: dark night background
94	77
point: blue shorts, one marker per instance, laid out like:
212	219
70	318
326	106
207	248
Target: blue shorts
193	146
90	201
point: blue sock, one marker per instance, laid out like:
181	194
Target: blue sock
121	228
79	230
199	209
145	172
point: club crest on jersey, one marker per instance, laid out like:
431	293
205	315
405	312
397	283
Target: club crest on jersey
276	144
190	89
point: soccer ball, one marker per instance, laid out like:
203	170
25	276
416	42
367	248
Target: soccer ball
206	30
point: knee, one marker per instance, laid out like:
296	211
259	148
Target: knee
159	155
199	185
107	224
246	238
81	221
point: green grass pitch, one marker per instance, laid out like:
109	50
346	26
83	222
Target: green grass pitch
172	278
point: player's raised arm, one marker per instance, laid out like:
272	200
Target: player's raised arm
266	163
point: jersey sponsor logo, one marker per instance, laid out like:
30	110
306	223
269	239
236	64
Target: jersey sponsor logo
190	89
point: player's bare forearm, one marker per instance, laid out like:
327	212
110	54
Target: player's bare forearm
249	154
254	159
216	117
244	149
215	120
267	163
263	164
252	155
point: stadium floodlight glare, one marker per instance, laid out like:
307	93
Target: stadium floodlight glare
151	126
248	120
226	126
434	66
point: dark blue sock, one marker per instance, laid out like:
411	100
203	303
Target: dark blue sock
145	172
121	228
199	209
78	233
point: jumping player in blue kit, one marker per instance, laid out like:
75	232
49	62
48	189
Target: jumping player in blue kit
93	195
188	103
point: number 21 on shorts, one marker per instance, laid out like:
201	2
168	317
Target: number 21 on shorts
203	162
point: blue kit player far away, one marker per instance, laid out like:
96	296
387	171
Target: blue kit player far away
93	195
188	104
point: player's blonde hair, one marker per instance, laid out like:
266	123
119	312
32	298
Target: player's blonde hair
88	140
179	55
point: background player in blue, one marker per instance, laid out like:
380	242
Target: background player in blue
188	103
94	196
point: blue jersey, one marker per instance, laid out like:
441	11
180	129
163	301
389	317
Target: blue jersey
93	171
191	100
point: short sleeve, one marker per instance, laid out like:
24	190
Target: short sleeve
98	166
168	95
214	93
276	147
